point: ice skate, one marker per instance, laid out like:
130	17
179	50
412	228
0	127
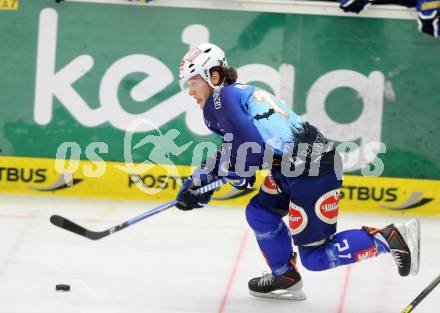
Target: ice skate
404	243
410	232
287	286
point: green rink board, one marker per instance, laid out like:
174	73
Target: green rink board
100	53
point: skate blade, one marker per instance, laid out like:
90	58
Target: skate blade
413	230
296	296
293	293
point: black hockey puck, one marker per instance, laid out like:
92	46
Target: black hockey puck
62	287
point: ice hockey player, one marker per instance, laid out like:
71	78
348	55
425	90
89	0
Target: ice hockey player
428	11
304	182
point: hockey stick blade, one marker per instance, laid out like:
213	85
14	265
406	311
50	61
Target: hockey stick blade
68	225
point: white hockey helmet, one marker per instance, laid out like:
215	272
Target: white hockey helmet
199	61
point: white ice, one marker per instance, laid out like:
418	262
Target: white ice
198	261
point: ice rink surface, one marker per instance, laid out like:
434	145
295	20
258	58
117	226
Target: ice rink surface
198	261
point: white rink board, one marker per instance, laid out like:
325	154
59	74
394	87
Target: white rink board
179	262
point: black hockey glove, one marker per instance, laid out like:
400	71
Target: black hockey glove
187	198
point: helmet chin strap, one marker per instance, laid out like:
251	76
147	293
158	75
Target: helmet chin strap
215	87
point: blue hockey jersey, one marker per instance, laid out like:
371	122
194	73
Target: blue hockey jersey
244	114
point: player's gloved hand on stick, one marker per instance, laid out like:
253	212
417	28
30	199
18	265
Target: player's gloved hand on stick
187	198
354	6
428	20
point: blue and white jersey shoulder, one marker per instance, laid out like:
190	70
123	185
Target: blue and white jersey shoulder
276	122
254	118
252	109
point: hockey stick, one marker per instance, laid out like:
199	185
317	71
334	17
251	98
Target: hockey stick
67	224
422	295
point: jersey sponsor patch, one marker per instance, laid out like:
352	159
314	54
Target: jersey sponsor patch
297	218
270	186
327	206
366	254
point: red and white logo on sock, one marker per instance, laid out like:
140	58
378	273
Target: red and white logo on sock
327	206
270	186
297	219
366	254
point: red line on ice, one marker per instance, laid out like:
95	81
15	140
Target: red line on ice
344	290
244	238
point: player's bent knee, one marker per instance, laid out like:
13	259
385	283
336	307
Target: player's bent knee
314	258
261	219
252	215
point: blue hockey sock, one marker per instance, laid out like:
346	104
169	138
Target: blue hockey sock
344	248
273	237
276	247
